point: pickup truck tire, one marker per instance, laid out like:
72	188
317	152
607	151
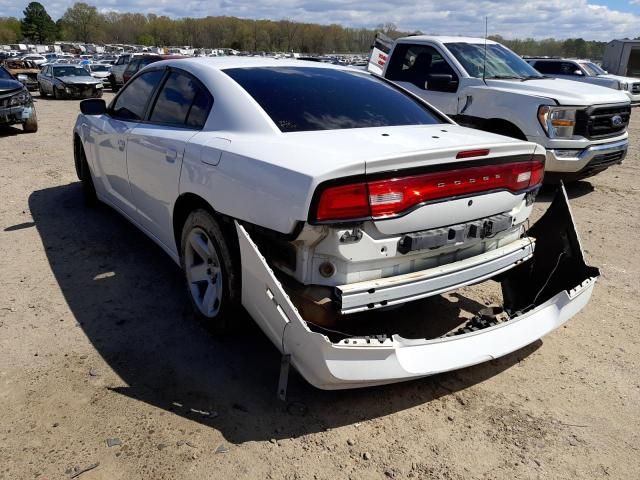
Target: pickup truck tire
211	266
31	125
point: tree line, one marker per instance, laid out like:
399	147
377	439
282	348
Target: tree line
84	23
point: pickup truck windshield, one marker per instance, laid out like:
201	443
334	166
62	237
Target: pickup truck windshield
593	69
500	61
310	98
70	72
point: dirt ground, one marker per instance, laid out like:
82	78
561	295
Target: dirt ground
96	343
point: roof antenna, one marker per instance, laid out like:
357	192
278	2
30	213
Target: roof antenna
484	63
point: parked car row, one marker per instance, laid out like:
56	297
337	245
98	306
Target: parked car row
308	193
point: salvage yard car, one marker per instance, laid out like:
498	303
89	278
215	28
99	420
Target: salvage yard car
314	195
588	72
482	84
16	104
101	72
25	71
68	81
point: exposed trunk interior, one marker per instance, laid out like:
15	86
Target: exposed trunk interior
557	265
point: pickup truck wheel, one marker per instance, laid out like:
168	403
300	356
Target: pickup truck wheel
211	271
31	125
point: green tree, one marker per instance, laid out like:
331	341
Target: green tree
37	25
10	31
83	22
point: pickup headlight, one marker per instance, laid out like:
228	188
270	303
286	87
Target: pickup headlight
557	122
623	86
19	98
22	78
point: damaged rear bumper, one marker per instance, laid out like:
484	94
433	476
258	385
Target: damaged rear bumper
540	294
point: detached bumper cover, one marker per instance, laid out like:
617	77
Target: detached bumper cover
540	294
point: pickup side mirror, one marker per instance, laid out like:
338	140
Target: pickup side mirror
441	82
93	106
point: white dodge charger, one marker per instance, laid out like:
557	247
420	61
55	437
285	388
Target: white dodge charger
311	195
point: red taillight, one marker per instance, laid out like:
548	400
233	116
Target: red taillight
390	197
343	202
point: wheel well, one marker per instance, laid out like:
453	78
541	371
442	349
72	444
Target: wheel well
185	204
503	127
77	151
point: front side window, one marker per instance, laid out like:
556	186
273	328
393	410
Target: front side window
491	61
132	101
315	98
423	66
183	101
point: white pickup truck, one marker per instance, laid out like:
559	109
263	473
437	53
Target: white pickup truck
482	84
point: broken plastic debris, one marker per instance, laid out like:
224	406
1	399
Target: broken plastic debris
112	442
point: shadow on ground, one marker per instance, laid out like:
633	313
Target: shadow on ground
127	296
574	190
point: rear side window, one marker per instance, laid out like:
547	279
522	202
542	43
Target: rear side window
311	98
183	101
132	101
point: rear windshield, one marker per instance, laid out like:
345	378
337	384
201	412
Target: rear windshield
309	98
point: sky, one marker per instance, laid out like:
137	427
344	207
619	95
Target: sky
589	19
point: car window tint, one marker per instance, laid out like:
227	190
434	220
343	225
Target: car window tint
199	109
132	101
177	99
312	98
552	68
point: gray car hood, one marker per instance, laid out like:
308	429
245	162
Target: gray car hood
74	80
565	92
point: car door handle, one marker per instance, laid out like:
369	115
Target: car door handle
121	144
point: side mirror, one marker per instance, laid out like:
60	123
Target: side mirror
93	106
578	72
440	82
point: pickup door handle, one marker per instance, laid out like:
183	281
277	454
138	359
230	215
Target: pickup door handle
120	144
171	155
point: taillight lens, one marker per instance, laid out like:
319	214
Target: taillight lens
343	202
391	197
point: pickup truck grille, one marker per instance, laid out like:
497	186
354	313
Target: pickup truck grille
635	88
603	121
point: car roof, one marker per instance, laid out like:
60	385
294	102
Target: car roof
223	63
445	39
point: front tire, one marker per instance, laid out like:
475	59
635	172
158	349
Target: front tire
42	92
86	179
31	125
211	267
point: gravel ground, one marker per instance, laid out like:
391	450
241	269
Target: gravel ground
96	344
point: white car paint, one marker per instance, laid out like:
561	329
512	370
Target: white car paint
517	102
245	168
583	73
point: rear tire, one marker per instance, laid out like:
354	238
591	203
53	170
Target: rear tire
211	266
